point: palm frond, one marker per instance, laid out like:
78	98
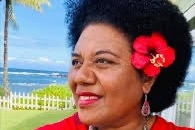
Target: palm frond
35	4
11	16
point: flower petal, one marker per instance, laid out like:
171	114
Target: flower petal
141	44
139	60
151	71
169	55
157	42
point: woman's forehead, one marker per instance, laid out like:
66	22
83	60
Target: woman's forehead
102	37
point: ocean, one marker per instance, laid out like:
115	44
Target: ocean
27	80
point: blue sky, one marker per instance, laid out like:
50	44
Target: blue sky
41	41
191	72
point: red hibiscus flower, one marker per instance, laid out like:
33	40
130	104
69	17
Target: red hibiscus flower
152	53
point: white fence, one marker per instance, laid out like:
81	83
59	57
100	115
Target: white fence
33	102
183	112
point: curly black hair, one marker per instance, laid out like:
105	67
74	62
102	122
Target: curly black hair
140	17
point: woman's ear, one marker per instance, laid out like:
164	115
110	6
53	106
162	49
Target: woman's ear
148	83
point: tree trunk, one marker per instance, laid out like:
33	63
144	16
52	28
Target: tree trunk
5	65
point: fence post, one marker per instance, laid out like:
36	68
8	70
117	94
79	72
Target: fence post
36	102
19	96
14	100
53	103
66	103
32	101
27	101
192	119
45	102
23	100
0	102
3	102
49	103
10	101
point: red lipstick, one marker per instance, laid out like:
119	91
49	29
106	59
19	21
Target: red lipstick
87	98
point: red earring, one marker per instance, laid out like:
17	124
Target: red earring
146	107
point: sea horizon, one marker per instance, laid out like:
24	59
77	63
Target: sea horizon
27	80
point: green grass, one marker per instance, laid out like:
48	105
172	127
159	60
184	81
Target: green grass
29	119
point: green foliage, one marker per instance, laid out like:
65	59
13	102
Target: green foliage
185	95
62	91
186	98
54	95
2	93
53	90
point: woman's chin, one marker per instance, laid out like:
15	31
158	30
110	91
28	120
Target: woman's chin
87	118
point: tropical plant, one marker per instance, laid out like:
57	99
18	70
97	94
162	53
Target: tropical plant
53	90
57	90
10	17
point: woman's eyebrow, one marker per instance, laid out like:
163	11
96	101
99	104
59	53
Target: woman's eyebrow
105	52
75	55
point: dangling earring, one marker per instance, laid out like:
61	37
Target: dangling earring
146	112
146	107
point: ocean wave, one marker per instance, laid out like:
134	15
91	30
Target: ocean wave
27	73
28	84
40	74
58	75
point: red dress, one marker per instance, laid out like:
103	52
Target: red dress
73	123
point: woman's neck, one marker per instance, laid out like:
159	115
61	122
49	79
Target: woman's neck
135	124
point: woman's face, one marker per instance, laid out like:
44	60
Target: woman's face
106	87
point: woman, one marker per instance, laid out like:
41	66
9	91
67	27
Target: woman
129	58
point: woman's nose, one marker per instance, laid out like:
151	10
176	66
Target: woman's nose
85	75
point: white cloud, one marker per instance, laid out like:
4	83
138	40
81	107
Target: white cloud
38	62
15	37
43	59
35	60
12	58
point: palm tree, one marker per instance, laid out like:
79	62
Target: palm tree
10	17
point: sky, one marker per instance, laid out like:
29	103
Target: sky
41	40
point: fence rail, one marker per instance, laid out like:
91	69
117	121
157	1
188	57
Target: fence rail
183	111
33	102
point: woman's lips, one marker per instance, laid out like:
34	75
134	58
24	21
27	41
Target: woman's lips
87	98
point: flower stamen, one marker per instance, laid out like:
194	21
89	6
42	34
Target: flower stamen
158	60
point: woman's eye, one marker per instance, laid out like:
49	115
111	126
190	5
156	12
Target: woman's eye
75	62
102	61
